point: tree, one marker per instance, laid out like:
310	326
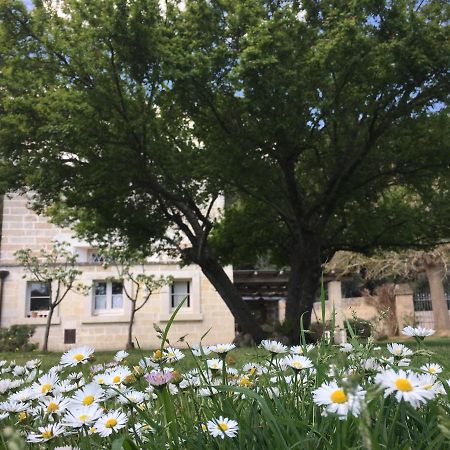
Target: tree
327	117
56	269
87	122
406	265
130	267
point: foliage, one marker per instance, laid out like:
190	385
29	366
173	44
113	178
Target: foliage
16	338
361	328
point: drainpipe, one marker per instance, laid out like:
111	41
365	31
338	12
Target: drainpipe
3	275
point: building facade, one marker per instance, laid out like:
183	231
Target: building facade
101	317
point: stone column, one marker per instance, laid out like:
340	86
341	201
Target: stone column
281	310
404	305
335	299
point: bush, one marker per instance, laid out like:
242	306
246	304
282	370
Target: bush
16	338
362	328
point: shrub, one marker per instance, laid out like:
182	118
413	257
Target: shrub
16	338
362	328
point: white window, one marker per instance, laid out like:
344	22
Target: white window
108	296
38	299
179	290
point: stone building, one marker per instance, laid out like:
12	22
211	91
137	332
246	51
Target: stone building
100	318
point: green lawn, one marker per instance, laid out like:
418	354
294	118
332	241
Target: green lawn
439	346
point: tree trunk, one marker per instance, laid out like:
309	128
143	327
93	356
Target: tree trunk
226	289
304	280
47	329
438	298
130	344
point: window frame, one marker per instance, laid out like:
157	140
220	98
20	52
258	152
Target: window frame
172	294
38	312
109	298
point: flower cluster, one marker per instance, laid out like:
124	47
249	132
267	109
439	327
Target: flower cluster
161	401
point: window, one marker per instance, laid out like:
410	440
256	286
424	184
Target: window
178	291
70	336
38	301
108	296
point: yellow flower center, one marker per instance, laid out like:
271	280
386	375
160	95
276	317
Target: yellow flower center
52	407
129	379
78	357
403	385
252	370
339	396
101	381
297	365
432	370
223	426
244	381
88	400
111	423
116	379
22	416
157	354
45	388
428	386
83	417
48	434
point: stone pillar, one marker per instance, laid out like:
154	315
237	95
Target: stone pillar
281	310
335	299
404	305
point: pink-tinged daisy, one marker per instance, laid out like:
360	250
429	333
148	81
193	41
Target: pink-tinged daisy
222	427
338	400
406	385
75	356
160	377
110	422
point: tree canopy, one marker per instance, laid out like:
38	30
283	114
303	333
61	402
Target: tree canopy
325	120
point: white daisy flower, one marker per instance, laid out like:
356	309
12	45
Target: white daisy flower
54	405
110	422
298	362
433	369
75	356
300	350
131	396
120	355
346	347
222	427
399	350
46	383
89	394
46	433
222	349
273	346
417	331
199	350
430	382
338	400
78	416
13	407
173	354
215	364
207	392
118	375
254	369
406	385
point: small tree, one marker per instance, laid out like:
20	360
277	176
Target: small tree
130	266
55	268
